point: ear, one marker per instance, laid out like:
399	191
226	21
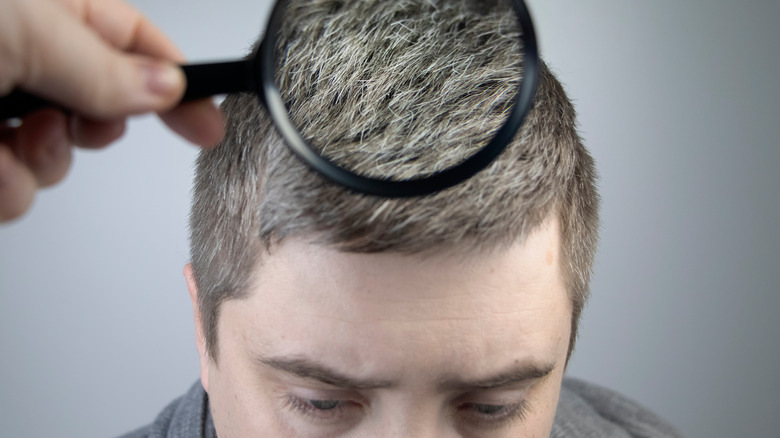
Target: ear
200	339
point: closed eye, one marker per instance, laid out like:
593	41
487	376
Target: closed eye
483	415
324	405
321	410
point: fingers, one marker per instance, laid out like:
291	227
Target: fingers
90	133
88	74
127	29
199	122
84	72
42	144
17	186
103	61
39	153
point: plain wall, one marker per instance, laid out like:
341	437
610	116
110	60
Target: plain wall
679	104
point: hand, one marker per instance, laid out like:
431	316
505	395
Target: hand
102	60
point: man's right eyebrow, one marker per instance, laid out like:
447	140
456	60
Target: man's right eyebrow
311	370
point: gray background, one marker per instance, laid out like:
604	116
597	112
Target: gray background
678	102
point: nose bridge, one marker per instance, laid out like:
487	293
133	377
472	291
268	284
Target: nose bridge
415	420
414	427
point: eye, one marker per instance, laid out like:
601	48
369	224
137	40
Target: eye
324	405
323	411
314	406
488	415
489	409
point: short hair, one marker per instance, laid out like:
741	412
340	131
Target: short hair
251	193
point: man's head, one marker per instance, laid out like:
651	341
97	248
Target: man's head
323	312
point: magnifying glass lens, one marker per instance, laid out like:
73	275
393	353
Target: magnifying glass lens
398	90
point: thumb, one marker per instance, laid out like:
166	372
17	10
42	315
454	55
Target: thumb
66	61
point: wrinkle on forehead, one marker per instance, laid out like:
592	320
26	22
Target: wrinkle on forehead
396	314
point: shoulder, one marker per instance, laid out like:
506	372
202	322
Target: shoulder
586	410
186	417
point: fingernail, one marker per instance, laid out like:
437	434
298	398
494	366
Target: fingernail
163	79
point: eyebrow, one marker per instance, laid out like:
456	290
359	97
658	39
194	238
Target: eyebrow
310	370
519	374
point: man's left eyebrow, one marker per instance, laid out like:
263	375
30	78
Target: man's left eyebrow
513	376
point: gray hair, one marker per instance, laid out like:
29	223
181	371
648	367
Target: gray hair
353	73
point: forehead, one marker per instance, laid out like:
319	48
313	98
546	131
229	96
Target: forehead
375	311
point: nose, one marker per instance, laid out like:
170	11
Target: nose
410	431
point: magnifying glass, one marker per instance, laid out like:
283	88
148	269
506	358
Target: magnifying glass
411	103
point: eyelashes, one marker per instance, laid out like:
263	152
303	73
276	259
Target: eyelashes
472	415
493	415
319	410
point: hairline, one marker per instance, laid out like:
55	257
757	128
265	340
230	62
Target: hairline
466	251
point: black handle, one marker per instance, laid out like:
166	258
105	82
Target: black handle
20	103
203	80
206	80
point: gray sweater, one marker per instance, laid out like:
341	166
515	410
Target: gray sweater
584	411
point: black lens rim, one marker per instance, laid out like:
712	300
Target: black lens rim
271	96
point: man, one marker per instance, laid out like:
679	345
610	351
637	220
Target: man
320	312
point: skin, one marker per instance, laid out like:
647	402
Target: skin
430	331
102	60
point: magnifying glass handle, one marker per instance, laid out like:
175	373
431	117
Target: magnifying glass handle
20	103
203	80
206	80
